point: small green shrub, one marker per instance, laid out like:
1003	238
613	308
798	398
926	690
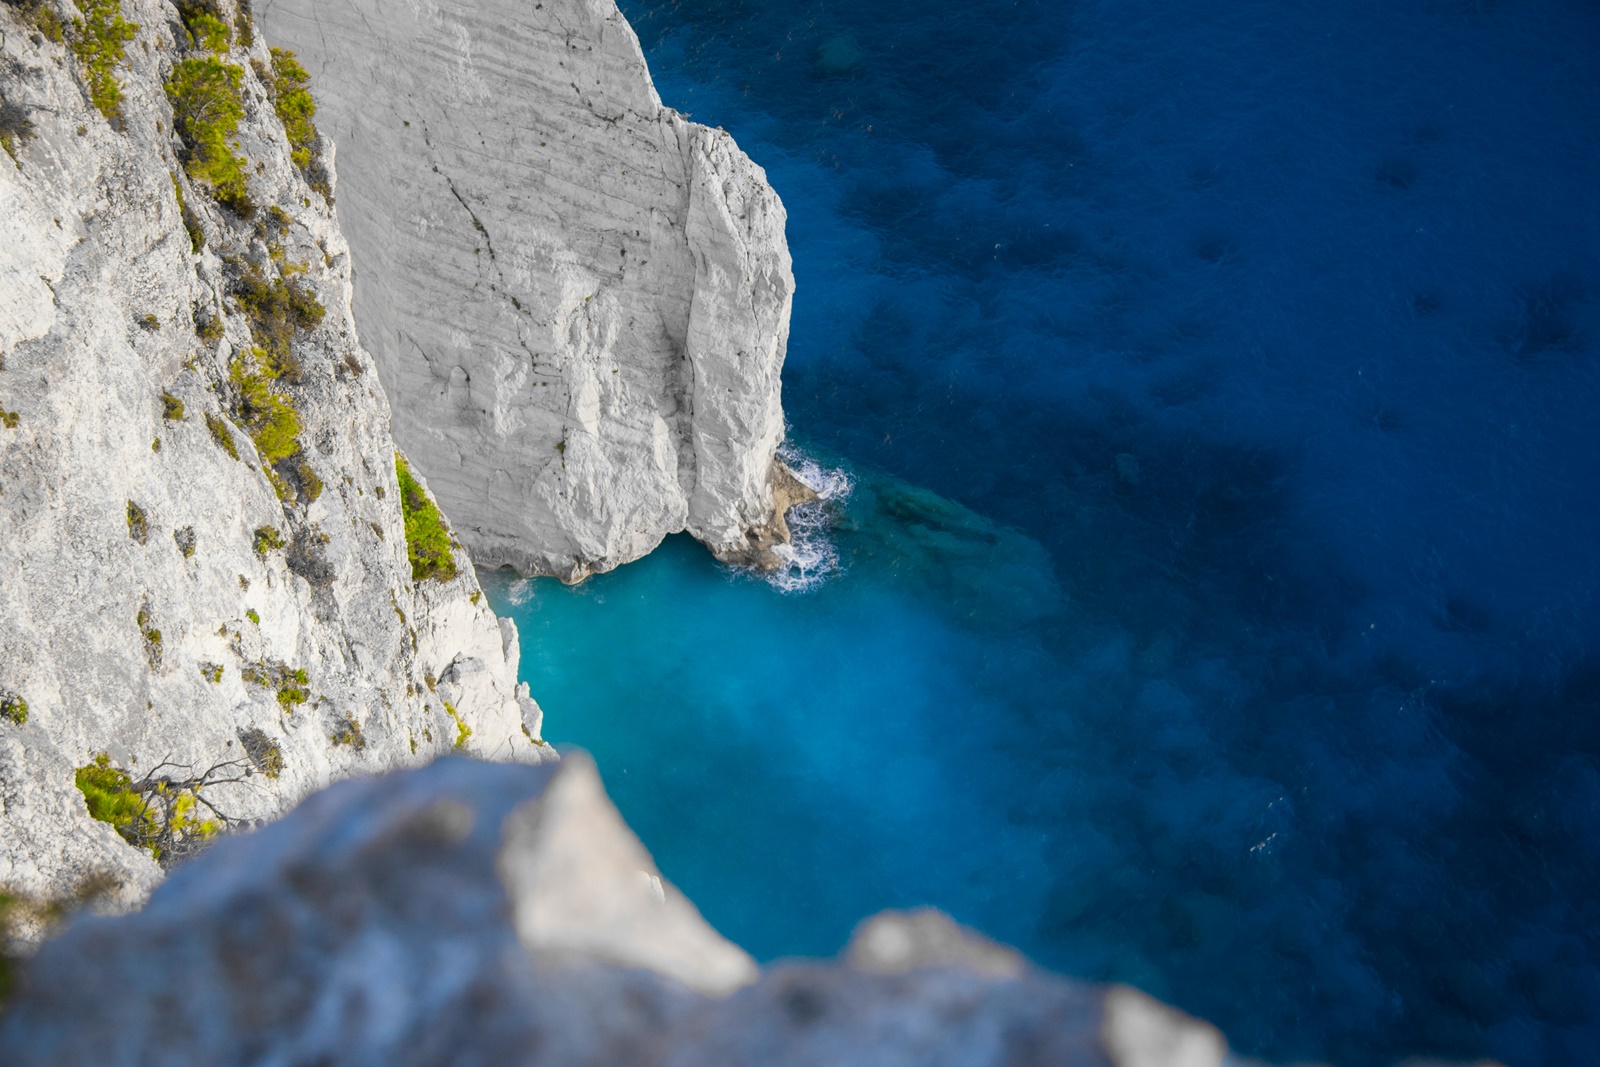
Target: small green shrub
158	813
268	539
206	110
209	32
13	708
110	796
9	419
427	538
138	523
253	617
197	240
291	98
222	435
171	407
277	309
292	690
184	538
262	750
211	672
243	24
150	323
97	41
349	733
310	484
268	416
40	15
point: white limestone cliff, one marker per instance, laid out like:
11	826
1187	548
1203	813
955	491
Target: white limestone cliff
578	300
138	599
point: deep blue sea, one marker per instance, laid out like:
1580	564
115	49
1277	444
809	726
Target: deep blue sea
1208	594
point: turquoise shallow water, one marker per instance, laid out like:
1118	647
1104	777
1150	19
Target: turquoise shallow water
764	742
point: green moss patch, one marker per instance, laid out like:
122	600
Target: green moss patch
348	734
427	538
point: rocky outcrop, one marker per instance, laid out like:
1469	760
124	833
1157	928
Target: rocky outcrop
476	914
577	298
172	597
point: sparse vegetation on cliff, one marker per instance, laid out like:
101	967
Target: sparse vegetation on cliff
203	20
289	85
41	17
206	110
13	709
138	523
268	416
191	225
15	126
427	538
160	813
463	731
349	733
268	539
98	40
222	435
262	750
277	309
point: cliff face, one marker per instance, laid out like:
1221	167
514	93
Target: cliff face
204	561
578	300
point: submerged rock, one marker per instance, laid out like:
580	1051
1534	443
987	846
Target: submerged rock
577	298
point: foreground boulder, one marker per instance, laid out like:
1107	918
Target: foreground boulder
470	913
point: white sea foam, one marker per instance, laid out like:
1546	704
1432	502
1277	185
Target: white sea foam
520	592
811	557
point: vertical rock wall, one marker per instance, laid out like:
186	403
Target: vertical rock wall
578	300
144	614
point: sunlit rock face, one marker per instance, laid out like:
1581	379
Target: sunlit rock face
578	299
145	612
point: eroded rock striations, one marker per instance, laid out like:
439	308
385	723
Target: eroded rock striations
577	298
204	564
476	914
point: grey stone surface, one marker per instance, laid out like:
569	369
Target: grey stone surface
386	921
99	292
578	299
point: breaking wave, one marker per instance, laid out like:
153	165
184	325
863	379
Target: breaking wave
811	555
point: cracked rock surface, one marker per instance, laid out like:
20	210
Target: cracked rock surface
578	300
